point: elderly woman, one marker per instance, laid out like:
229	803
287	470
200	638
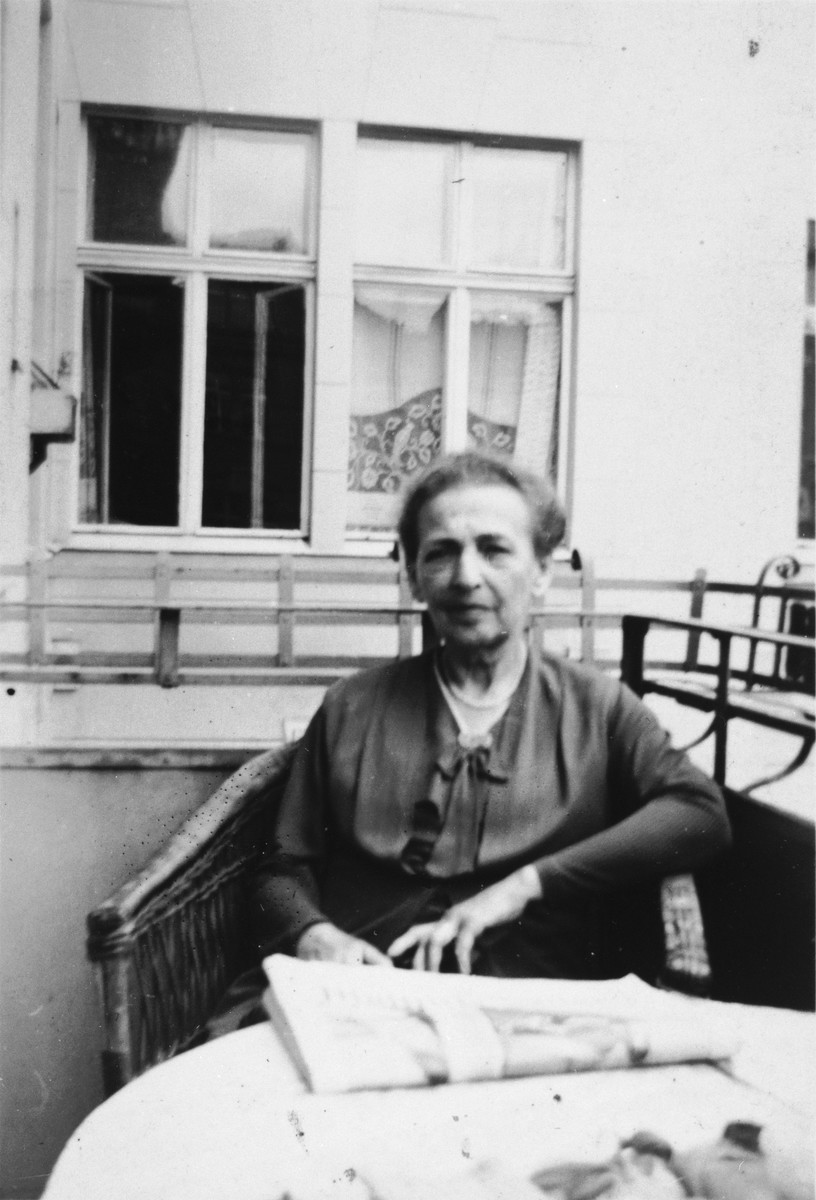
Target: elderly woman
476	807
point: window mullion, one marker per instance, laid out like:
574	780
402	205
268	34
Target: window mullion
195	341
308	413
454	413
570	214
194	369
454	416
199	198
259	409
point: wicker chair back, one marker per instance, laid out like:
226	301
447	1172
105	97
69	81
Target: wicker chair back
170	941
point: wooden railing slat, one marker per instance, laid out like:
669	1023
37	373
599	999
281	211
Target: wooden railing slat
167	647
588	611
38	591
286	617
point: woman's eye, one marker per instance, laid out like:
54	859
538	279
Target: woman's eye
436	554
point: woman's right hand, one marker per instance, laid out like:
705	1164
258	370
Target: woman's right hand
324	942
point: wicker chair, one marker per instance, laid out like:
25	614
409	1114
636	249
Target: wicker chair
169	942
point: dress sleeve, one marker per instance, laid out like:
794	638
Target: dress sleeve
667	816
285	888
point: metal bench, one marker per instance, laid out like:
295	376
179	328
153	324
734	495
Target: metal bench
769	698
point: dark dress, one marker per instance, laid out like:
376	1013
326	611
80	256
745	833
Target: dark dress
387	819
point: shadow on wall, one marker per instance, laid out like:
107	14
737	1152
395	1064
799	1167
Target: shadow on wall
69	838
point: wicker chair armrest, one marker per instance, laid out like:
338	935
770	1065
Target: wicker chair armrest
237	797
169	942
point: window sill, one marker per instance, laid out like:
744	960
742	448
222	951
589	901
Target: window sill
251	542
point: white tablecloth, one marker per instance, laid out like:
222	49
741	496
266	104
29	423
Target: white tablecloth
232	1119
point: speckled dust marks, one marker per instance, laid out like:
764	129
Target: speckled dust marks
294	1121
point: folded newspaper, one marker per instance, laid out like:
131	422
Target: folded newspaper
348	1028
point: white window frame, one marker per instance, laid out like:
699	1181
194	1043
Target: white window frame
457	282
196	264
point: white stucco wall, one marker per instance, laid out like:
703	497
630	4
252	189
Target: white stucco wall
19	43
695	126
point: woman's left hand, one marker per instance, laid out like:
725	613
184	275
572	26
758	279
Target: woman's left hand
463	923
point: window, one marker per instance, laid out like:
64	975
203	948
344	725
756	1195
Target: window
198	264
463	284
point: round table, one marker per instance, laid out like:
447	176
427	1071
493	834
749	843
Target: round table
233	1119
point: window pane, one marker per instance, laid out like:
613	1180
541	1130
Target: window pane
259	194
138	179
515	361
253	434
396	406
402	202
518	208
131	403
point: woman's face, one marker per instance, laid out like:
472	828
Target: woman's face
476	567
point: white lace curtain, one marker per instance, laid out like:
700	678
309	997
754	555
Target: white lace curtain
398	348
399	357
515	361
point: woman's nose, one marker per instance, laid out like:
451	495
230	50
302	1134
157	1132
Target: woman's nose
468	568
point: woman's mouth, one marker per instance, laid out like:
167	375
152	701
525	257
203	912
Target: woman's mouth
466	611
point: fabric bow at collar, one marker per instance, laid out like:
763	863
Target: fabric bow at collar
448	826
